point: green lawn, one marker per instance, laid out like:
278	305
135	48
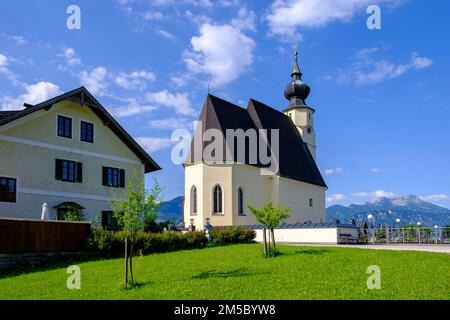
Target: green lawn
240	272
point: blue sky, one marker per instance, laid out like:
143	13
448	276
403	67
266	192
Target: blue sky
381	96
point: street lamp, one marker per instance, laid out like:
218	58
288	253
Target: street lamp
418	229
436	234
397	222
371	218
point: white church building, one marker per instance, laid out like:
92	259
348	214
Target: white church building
220	190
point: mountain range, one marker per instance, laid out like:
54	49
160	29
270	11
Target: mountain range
409	209
171	210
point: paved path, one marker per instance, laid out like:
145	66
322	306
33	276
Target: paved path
441	248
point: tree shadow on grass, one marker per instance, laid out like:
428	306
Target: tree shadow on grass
305	252
138	285
59	262
224	274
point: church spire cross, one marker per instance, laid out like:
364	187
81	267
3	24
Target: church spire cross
296	91
296	70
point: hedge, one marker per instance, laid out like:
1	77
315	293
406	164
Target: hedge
232	235
111	244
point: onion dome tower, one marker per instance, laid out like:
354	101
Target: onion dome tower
300	113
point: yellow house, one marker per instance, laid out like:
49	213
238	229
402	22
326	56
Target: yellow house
219	184
68	152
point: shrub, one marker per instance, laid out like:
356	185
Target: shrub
232	235
111	244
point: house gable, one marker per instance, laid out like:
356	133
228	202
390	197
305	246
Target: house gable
81	98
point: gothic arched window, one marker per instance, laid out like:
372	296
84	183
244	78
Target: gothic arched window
217	199
240	202
193	200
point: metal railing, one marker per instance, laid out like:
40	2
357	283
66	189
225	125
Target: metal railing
406	235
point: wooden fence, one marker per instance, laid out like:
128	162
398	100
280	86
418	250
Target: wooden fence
36	236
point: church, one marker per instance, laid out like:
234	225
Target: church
219	191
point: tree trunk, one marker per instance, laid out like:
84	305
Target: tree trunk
265	241
269	242
126	262
131	261
273	240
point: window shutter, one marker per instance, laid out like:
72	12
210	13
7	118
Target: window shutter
58	169
122	178
105	176
79	172
104	219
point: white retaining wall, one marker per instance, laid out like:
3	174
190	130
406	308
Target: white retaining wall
308	235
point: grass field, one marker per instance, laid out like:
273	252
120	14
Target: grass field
240	272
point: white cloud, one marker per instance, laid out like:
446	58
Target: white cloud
72	59
285	17
11	76
152	15
366	69
180	80
35	93
221	52
375	170
151	144
245	20
436	197
95	81
19	40
229	3
376	194
133	80
196	3
166	34
331	171
171	123
178	101
336	197
133	108
3	60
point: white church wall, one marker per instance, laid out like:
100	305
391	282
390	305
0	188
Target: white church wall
302	235
257	190
193	177
205	177
222	175
295	195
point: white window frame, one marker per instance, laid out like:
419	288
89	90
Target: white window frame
223	200
93	128
72	126
191	200
17	188
243	214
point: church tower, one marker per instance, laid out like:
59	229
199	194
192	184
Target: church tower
300	113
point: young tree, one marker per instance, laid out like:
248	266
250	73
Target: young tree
74	214
270	216
133	210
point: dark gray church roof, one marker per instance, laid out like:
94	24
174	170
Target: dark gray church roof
295	160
